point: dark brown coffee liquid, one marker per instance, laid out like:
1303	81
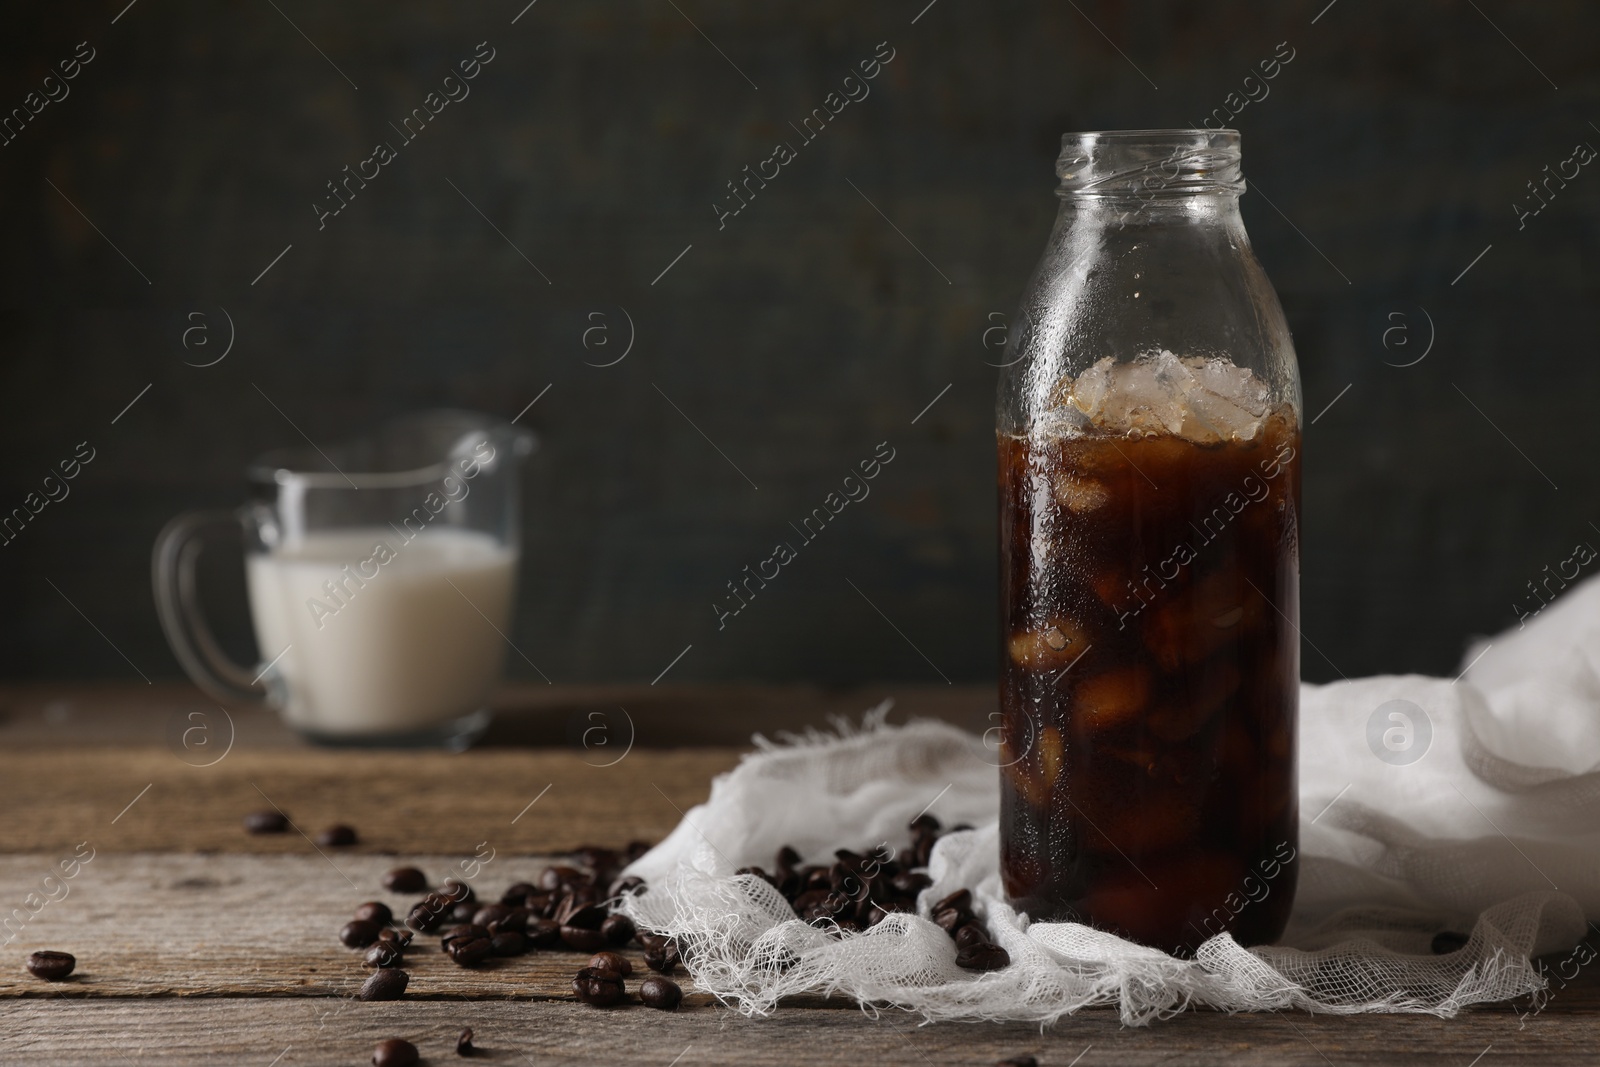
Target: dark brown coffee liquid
1149	682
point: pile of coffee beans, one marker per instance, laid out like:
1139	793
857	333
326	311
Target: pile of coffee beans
856	891
571	907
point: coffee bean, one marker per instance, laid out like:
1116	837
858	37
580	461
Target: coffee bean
1017	1061
599	987
336	836
464	1043
971	934
559	877
464	911
923	825
662	958
961	900
429	913
787	860
579	907
384	954
508	943
623	886
1446	942
359	933
405	880
51	966
518	893
983	957
468	951
457	891
952	919
490	913
636	849
393	1052
266	822
386	983
611	961
580	939
374	912
659	992
401	938
543	933
911	882
617	929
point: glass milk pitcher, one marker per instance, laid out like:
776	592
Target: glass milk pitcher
381	577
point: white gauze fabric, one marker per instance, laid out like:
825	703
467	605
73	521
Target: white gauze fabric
1477	810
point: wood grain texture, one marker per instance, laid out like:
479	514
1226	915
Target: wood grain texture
157	924
69	714
397	801
192	1032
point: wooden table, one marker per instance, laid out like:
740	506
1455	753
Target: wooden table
199	944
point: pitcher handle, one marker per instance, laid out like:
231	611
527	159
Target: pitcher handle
178	547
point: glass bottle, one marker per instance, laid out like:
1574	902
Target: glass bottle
1148	438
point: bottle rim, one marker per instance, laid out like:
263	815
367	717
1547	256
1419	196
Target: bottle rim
1149	164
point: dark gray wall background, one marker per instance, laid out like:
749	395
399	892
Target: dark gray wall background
806	332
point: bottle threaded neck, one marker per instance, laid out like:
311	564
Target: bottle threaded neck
1149	164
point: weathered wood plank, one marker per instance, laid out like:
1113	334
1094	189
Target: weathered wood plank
397	801
72	714
194	1032
146	925
222	925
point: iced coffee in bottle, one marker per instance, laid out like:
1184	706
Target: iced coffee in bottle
1149	469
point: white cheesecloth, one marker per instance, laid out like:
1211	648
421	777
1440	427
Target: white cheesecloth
1426	805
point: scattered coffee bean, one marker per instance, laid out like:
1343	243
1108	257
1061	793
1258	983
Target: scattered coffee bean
374	912
456	891
599	987
464	1043
468	946
490	913
617	929
559	877
51	966
464	911
336	836
519	892
1017	1061
659	992
971	934
952	919
622	886
359	933
508	943
1447	941
910	883
266	822
961	900
405	880
429	913
611	961
581	940
394	1052
983	957
399	937
662	958
386	983
543	933
384	954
